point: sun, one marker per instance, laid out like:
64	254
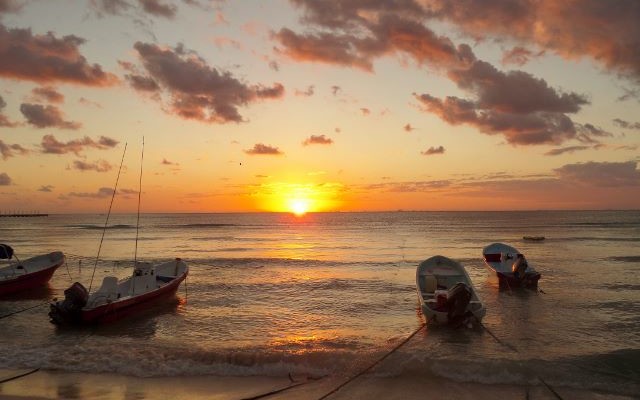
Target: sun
299	206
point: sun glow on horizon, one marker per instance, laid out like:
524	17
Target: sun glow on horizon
297	198
299	206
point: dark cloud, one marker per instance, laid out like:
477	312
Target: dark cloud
365	111
408	128
387	34
317	139
198	91
335	90
159	8
46	116
4	121
515	92
110	7
306	93
48	94
50	145
433	150
45	58
10	6
626	124
10	150
588	133
601	174
167	162
567	28
142	83
101	193
5	180
519	56
262	149
98	166
562	150
518	129
46	188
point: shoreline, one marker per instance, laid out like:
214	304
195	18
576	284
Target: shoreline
48	384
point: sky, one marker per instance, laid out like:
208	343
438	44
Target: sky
315	105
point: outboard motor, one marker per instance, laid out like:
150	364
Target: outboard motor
68	310
458	299
519	267
6	252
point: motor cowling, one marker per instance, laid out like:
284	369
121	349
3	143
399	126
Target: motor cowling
68	310
6	252
519	268
458	299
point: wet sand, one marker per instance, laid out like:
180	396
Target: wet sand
65	385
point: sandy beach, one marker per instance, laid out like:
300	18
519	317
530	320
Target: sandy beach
65	385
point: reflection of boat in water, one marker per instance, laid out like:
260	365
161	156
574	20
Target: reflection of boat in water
116	299
534	238
445	292
27	274
510	266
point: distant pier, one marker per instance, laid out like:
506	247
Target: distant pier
20	214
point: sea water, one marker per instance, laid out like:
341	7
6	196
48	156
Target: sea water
329	293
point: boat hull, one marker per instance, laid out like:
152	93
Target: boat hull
31	280
499	258
120	309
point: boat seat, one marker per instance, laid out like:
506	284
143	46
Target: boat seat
109	287
430	283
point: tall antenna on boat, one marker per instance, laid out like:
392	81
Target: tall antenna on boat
106	222
135	254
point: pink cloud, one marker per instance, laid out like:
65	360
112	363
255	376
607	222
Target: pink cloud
48	94
50	145
519	56
198	91
45	59
4	120
5	180
11	150
46	117
98	166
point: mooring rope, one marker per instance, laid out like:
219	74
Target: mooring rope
343	384
25	309
20	376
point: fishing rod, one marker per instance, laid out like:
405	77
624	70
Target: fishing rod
106	222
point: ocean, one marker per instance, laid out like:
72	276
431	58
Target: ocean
272	294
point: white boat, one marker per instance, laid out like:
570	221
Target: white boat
446	293
510	266
118	298
27	274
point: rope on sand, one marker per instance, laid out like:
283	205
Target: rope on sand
374	364
23	310
20	376
512	348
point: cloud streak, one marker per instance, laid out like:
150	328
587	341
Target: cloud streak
10	150
50	145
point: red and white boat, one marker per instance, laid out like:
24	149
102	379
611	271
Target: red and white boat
118	298
510	266
30	273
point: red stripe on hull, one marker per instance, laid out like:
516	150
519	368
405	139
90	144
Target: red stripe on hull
28	281
120	309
